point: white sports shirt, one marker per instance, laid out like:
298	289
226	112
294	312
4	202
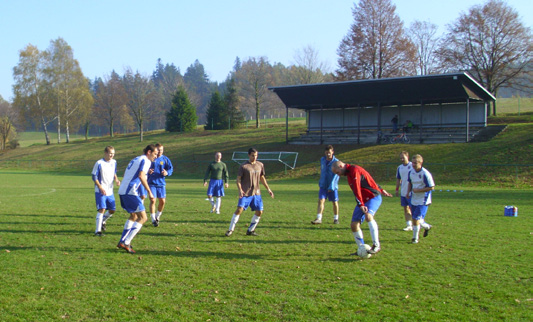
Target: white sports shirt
402	173
419	180
131	180
105	172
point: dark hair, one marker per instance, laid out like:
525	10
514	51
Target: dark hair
108	148
328	147
252	150
149	147
158	145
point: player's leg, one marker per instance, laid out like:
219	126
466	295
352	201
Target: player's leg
355	226
319	210
335	211
373	206
416	214
160	207
236	216
210	193
257	206
99	221
110	210
406	213
136	227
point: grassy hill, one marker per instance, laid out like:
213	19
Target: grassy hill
504	161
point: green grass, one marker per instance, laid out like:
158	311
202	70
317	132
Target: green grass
475	265
514	105
26	139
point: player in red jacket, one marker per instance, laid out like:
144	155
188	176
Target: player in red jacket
368	196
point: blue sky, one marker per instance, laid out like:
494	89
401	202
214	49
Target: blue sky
112	35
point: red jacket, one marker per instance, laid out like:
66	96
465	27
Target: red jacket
363	185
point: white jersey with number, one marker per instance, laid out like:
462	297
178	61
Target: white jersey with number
420	180
402	173
104	171
131	182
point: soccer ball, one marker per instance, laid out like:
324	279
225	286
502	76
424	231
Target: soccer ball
362	251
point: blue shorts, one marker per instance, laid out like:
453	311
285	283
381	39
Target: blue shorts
131	203
255	203
333	195
159	191
372	205
216	188
105	202
404	201
419	212
141	191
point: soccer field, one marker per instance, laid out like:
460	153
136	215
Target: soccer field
475	265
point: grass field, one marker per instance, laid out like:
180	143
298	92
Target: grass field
475	265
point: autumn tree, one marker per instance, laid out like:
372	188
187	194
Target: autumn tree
141	98
166	79
32	98
69	88
308	68
376	45
182	115
423	35
8	131
491	42
110	101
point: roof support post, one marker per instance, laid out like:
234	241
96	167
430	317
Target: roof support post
286	125
467	118
420	121
379	116
359	124
321	123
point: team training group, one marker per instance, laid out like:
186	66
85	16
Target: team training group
145	177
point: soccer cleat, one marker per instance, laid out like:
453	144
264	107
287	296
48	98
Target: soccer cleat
375	249
408	228
127	248
155	223
335	221
426	231
354	254
414	241
229	232
104	226
316	222
99	234
213	209
251	233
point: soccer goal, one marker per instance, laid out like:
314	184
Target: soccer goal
286	158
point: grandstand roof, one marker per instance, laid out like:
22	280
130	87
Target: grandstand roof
427	89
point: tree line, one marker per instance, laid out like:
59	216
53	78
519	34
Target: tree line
489	41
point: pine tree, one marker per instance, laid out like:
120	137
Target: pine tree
217	114
231	99
182	115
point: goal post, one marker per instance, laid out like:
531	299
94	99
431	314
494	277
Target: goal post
287	158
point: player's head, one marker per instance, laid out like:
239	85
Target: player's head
339	168
252	155
328	152
404	157
109	152
218	156
160	149
151	152
417	161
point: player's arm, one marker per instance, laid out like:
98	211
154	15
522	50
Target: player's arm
169	168
97	183
207	174
264	182
239	187
225	175
116	180
425	189
144	182
398	182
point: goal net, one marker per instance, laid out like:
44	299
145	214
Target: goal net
286	158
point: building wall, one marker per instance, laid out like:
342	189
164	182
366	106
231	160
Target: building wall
437	115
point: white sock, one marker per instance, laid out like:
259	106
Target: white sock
335	217
416	230
318	216
158	215
152	216
218	202
134	230
373	226
424	225
253	223
127	228
107	215
358	235
234	221
212	201
99	220
409	223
